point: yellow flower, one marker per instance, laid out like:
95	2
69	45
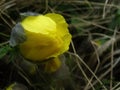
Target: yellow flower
47	36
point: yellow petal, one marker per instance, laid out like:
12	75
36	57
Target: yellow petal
39	47
61	23
42	42
39	24
62	30
52	65
47	36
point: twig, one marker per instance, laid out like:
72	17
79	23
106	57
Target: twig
104	8
98	64
4	43
94	3
81	67
77	56
112	58
114	88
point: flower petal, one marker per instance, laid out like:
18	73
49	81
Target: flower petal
60	21
39	24
52	65
47	36
42	42
62	30
39	47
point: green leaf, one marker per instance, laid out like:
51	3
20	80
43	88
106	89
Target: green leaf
78	24
116	20
4	50
16	86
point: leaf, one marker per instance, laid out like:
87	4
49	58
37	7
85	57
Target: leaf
78	24
17	35
116	20
29	14
16	86
26	14
4	50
